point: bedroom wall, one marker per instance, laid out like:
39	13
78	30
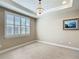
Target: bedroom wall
50	28
9	42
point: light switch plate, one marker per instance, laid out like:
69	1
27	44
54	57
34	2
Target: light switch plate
0	46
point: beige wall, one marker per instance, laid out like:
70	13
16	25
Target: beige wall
50	28
9	42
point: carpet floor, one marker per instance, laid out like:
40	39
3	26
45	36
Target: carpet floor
40	51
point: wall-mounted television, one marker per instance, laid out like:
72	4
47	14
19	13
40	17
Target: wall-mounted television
71	24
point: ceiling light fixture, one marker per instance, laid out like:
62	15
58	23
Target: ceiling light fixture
64	2
39	8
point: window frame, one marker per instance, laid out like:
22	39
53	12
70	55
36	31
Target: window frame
16	35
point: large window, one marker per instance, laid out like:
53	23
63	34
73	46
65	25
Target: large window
16	25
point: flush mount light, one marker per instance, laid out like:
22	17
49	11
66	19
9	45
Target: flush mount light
64	2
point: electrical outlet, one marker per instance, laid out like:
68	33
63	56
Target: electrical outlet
69	42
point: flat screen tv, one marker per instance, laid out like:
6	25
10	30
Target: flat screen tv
71	24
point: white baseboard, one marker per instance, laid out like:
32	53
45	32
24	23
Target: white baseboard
3	51
59	45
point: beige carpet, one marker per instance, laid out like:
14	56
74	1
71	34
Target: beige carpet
40	51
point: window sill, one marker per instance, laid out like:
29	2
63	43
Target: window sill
17	36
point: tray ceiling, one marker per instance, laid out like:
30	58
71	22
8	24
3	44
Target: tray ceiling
47	4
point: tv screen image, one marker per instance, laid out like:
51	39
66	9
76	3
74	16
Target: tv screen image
71	24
